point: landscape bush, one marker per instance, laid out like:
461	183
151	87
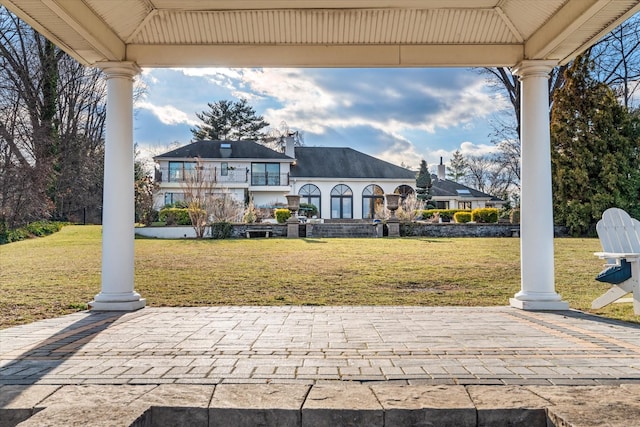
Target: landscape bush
33	229
308	209
462	217
484	215
445	214
175	216
282	215
221	230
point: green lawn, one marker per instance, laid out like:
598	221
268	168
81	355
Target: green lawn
51	276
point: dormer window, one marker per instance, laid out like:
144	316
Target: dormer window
225	149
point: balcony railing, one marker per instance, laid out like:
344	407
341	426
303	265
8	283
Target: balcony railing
232	176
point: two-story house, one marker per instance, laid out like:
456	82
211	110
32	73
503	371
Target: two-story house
239	168
341	182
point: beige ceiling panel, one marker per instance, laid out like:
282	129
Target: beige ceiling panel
527	15
384	26
318	4
460	55
590	31
577	24
40	17
305	32
123	16
264	56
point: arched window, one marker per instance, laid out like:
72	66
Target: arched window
310	193
372	199
341	202
404	191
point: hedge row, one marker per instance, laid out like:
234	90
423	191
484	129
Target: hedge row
480	215
175	216
34	229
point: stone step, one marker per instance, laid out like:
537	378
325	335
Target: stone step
325	404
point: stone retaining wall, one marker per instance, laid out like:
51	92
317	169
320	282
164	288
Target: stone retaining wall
354	229
459	230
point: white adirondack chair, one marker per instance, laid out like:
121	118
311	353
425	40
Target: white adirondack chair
620	239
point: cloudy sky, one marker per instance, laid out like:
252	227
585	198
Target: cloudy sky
398	115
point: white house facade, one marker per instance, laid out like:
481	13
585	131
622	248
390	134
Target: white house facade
342	183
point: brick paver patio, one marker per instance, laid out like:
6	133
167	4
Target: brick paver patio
308	345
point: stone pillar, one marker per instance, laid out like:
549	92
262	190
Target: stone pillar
117	293
393	225
293	228
293	223
536	221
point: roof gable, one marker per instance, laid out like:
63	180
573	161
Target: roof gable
206	149
332	162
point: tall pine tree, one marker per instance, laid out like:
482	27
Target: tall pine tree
228	120
457	167
595	152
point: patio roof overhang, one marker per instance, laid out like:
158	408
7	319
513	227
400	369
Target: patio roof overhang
323	33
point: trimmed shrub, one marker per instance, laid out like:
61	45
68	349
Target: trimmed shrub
282	215
221	230
445	214
462	217
308	209
484	215
175	216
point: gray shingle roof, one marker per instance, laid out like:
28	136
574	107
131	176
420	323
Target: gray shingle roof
445	187
211	150
332	162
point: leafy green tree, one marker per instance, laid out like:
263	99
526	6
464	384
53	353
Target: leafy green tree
229	120
423	183
458	167
595	152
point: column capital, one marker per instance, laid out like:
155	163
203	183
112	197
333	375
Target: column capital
534	68
122	69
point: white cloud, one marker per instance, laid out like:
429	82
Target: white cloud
398	115
167	114
471	149
401	152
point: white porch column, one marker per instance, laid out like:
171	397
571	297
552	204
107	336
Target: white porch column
536	219
117	291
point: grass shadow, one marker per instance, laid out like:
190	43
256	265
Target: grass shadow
313	240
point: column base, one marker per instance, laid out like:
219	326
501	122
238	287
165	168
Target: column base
117	305
539	305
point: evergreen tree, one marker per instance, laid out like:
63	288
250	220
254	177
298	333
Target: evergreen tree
228	120
423	183
458	167
595	152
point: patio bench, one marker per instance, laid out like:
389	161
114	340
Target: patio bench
261	230
620	239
